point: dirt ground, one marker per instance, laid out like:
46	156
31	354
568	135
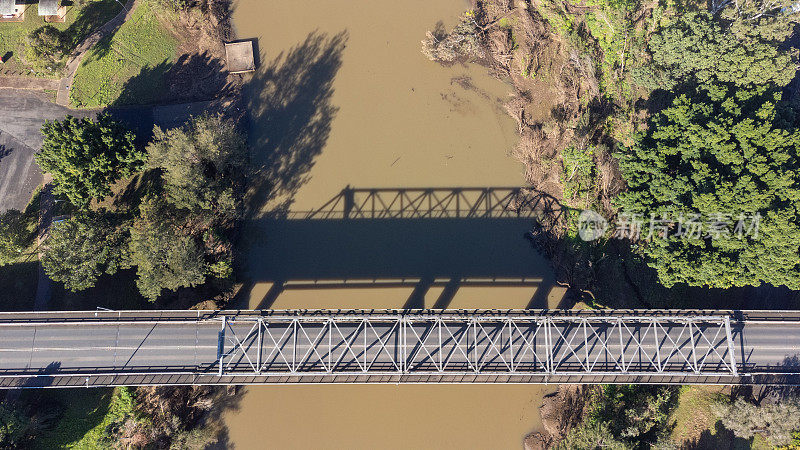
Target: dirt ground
553	85
200	72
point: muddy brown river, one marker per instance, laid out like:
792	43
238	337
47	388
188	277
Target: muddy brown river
343	97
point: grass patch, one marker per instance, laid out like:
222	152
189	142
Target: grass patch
128	67
693	415
120	407
696	426
82	18
86	413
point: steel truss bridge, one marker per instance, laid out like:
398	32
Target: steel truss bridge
109	348
436	203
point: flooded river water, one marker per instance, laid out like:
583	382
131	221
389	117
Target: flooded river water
343	97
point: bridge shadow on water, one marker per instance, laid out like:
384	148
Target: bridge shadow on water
355	242
480	243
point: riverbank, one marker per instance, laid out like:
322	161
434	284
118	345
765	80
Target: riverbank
161	54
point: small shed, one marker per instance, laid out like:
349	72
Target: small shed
239	56
9	9
48	7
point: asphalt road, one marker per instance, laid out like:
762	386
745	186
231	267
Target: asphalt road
22	114
349	346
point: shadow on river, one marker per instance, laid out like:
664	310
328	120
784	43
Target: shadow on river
344	97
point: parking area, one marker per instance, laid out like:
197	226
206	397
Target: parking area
22	114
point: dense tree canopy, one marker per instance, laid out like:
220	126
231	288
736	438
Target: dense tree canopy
776	421
164	252
86	158
201	163
769	20
699	48
13	426
624	417
82	248
591	436
15	235
45	49
715	156
177	235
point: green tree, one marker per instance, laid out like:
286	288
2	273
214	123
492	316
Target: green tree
717	158
635	414
769	20
86	158
776	422
166	255
82	248
15	235
591	436
201	164
578	175
14	426
625	417
120	417
699	48
45	49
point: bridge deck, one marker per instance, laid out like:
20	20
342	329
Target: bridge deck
254	347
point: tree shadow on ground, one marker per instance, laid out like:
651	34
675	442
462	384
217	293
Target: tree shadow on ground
289	101
197	77
193	77
117	292
148	86
90	17
100	49
722	438
138	187
18	286
79	411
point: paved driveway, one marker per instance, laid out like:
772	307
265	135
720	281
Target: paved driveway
22	114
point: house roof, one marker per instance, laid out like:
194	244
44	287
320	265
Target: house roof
7	7
48	7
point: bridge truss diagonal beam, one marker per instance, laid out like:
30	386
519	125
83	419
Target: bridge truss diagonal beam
421	344
437	203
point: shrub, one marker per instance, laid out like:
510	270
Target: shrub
776	422
464	42
45	49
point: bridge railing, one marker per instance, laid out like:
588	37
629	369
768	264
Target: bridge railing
412	344
55	317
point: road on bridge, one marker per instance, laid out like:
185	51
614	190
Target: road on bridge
518	346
